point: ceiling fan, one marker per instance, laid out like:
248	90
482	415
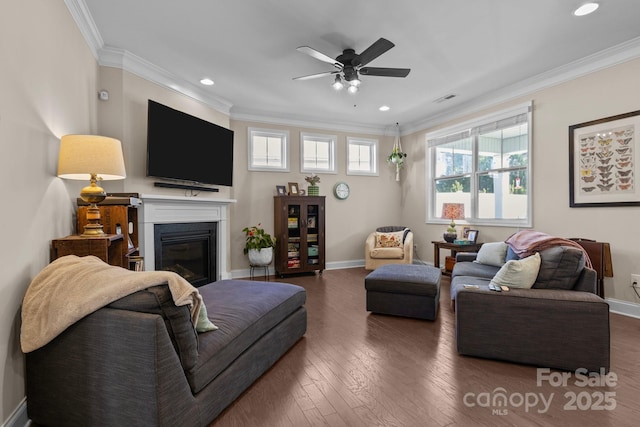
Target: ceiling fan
350	64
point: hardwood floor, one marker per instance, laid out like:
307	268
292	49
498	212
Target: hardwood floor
354	368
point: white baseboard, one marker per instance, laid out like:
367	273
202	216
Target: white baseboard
19	417
625	308
246	272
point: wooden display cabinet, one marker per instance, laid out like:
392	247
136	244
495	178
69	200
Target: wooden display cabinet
300	234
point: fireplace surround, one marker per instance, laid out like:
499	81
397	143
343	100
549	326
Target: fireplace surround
182	211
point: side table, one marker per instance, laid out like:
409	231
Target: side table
454	248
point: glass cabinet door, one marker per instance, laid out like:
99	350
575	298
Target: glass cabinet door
313	226
294	224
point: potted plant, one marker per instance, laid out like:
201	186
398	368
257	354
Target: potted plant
259	245
397	156
313	189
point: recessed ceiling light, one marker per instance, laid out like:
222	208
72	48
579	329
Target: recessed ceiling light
586	9
206	82
384	108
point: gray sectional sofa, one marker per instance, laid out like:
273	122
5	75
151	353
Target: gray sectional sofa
138	361
559	322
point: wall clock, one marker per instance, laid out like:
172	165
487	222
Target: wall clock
341	190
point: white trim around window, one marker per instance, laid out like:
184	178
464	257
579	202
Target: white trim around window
362	156
486	164
317	153
268	150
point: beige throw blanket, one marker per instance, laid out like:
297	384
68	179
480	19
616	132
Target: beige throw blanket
72	287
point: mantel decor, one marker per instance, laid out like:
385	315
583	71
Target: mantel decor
603	162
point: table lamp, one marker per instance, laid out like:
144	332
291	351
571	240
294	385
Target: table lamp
93	158
452	211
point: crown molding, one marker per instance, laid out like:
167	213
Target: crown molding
112	57
606	58
118	58
86	24
122	59
239	114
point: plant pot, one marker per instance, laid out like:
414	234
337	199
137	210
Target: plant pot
450	236
313	190
260	257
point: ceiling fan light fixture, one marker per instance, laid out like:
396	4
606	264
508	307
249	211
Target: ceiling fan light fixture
352	89
355	81
337	83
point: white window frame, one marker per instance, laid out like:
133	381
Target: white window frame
433	217
283	135
373	161
331	139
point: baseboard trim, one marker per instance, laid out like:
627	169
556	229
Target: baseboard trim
19	417
337	265
625	308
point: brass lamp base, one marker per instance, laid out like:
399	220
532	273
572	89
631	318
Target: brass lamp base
93	194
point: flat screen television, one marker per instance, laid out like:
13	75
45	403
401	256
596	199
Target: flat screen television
186	148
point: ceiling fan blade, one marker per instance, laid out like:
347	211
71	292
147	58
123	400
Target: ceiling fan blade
319	55
372	52
315	76
385	72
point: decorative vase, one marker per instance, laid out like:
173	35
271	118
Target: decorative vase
450	236
260	257
313	190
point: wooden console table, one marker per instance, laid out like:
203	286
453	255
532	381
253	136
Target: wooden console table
454	248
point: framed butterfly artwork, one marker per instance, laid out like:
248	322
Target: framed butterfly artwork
604	162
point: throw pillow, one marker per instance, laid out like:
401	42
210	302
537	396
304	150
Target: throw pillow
560	267
518	273
204	324
389	240
492	253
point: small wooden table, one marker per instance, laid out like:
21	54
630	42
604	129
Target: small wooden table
454	248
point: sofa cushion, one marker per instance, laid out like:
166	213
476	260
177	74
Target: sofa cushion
492	253
387	253
243	310
158	300
518	273
560	267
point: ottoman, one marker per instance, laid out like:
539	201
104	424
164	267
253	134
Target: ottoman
404	290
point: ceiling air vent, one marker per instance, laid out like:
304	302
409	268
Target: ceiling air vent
445	98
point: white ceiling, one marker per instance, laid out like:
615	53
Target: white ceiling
483	51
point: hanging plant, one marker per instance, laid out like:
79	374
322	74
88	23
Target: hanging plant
397	156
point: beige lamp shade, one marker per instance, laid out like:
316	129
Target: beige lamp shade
83	155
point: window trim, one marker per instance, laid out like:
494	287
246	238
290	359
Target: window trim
433	217
284	150
373	164
333	142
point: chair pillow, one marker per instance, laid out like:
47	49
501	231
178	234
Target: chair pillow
492	253
389	240
518	273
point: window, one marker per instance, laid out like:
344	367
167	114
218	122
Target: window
362	156
486	165
318	153
268	150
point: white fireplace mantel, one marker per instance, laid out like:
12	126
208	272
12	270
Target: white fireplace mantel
160	209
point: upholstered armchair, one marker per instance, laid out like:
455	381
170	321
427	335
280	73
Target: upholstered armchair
388	245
